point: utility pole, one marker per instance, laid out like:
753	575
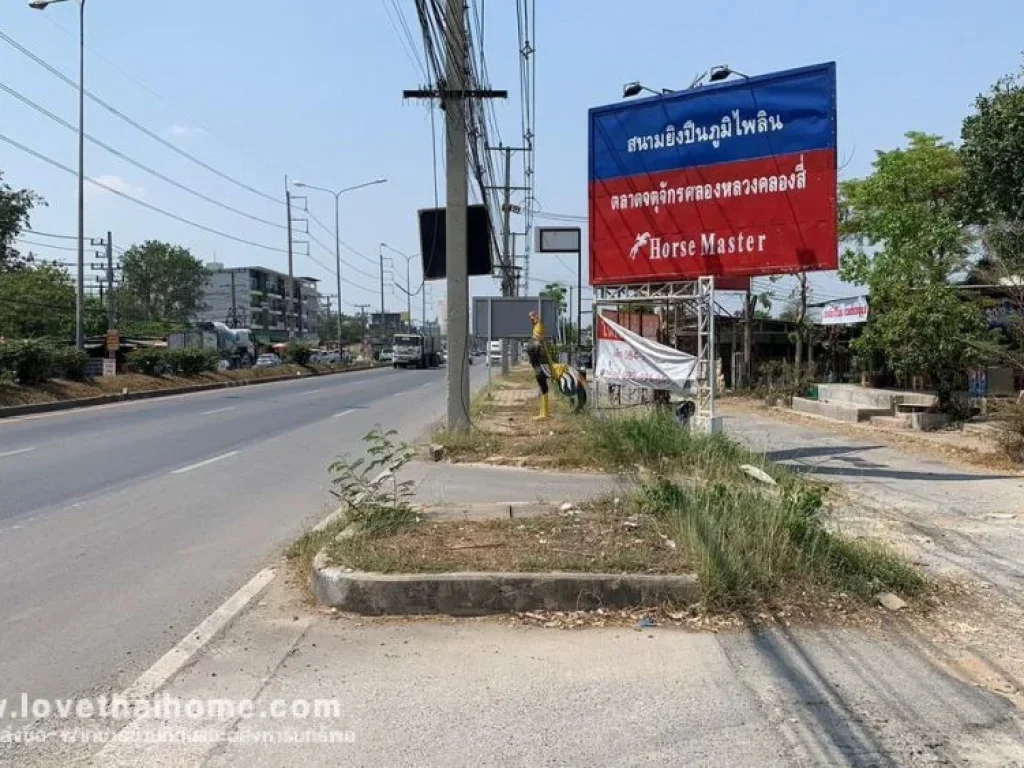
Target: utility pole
291	276
383	324
457	66
568	334
509	283
234	302
455	95
506	236
748	321
111	320
408	293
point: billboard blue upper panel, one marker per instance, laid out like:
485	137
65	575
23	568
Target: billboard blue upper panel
775	114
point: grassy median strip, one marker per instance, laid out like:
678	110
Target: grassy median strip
60	390
598	538
750	544
699	504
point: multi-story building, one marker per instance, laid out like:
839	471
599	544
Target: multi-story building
256	298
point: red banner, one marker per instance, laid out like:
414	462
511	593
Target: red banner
752	217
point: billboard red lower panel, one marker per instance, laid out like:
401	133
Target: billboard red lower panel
755	217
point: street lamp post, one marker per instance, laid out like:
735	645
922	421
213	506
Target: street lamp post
337	231
40	5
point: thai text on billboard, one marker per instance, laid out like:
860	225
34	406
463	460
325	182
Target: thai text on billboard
845	311
728	180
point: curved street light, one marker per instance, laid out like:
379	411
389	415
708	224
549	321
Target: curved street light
41	5
337	227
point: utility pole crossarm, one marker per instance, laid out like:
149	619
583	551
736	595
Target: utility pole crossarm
454	93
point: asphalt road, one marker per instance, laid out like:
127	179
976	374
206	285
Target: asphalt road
122	527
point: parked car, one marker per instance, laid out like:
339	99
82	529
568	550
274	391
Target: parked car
268	360
387	356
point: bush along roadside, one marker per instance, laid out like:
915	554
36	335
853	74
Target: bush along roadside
751	544
29	362
755	533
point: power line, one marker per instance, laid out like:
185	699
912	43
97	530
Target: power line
22	241
137	201
37	233
138	126
404	36
57	119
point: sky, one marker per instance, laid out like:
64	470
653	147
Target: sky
260	90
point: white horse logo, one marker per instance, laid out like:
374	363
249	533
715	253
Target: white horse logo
641	241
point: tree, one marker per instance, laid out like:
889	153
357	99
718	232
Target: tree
353	328
163	282
908	243
993	153
15	207
557	293
993	156
37	302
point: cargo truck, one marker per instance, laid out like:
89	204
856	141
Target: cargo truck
416	350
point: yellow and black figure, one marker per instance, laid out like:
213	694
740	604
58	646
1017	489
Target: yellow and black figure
571	382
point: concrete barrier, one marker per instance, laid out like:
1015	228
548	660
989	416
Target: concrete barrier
928	421
477	594
863	397
837	411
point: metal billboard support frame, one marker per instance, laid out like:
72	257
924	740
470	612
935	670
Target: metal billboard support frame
698	298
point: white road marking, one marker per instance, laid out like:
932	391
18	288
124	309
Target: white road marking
197	465
17	452
150	681
428	384
218	410
311	392
343	413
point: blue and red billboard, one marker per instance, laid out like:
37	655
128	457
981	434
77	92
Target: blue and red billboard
731	180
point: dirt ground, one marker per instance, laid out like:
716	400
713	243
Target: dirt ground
506	432
951	444
964	526
58	390
603	538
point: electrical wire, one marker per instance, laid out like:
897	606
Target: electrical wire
137	201
141	166
405	40
138	126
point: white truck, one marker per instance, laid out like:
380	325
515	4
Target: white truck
234	345
416	350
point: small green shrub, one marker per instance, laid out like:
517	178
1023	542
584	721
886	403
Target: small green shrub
151	361
655	440
69	363
777	382
28	361
192	362
377	501
298	353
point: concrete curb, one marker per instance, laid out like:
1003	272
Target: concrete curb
85	402
477	594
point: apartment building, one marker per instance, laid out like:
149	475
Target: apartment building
256	298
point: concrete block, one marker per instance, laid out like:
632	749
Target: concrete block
476	594
916	400
851	394
837	411
892	422
928	421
